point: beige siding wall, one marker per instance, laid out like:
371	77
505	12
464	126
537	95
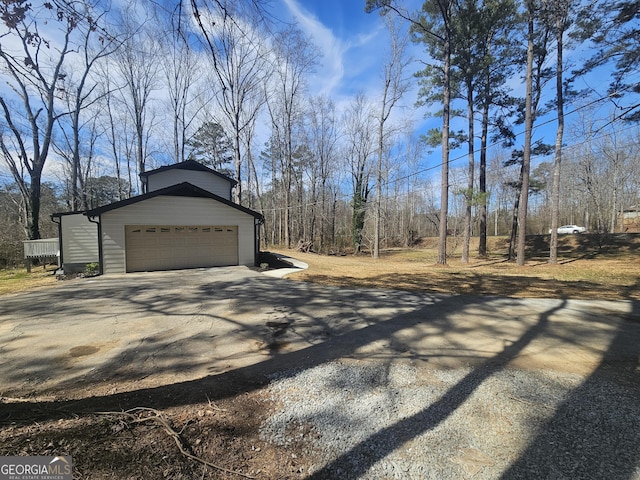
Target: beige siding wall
79	239
166	210
208	181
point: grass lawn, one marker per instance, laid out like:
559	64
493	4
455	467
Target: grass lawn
588	268
18	280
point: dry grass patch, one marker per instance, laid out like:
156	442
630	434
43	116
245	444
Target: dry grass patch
585	272
18	280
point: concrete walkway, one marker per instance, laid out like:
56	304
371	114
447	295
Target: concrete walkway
296	266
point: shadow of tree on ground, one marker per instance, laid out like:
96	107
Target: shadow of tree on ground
612	389
595	433
358	461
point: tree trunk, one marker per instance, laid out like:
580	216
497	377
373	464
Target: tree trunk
482	245
444	180
140	151
555	205
359	212
469	191
614	195
376	233
237	164
526	157
514	228
287	204
34	200
323	215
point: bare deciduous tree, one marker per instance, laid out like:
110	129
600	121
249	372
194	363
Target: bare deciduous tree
184	100
80	94
235	42
294	58
432	27
34	72
395	85
360	147
137	65
322	134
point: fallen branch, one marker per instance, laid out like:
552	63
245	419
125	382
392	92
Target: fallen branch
214	406
305	246
157	417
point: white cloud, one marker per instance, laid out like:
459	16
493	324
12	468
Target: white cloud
350	64
332	48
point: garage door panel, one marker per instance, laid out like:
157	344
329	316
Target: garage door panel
173	247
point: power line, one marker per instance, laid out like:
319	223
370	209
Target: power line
603	134
497	143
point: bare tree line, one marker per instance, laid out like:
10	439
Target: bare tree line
101	96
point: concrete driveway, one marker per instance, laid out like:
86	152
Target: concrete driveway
120	333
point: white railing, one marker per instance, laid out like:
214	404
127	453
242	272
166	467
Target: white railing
46	247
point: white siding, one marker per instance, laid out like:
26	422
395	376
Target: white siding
167	210
205	180
79	239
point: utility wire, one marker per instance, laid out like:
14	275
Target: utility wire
519	134
602	134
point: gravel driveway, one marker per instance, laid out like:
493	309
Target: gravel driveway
373	384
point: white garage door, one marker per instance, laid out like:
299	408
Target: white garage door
165	247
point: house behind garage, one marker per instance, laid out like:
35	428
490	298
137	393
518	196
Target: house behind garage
631	219
185	219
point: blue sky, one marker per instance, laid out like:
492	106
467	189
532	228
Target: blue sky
351	42
354	44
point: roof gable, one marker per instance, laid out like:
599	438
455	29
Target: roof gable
187	165
184	189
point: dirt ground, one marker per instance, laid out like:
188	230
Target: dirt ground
168	429
196	441
217	436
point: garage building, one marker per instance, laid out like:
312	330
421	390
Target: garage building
188	224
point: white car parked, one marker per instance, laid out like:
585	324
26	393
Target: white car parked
570	229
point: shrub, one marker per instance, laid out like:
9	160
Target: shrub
92	269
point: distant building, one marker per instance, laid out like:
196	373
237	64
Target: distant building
631	219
